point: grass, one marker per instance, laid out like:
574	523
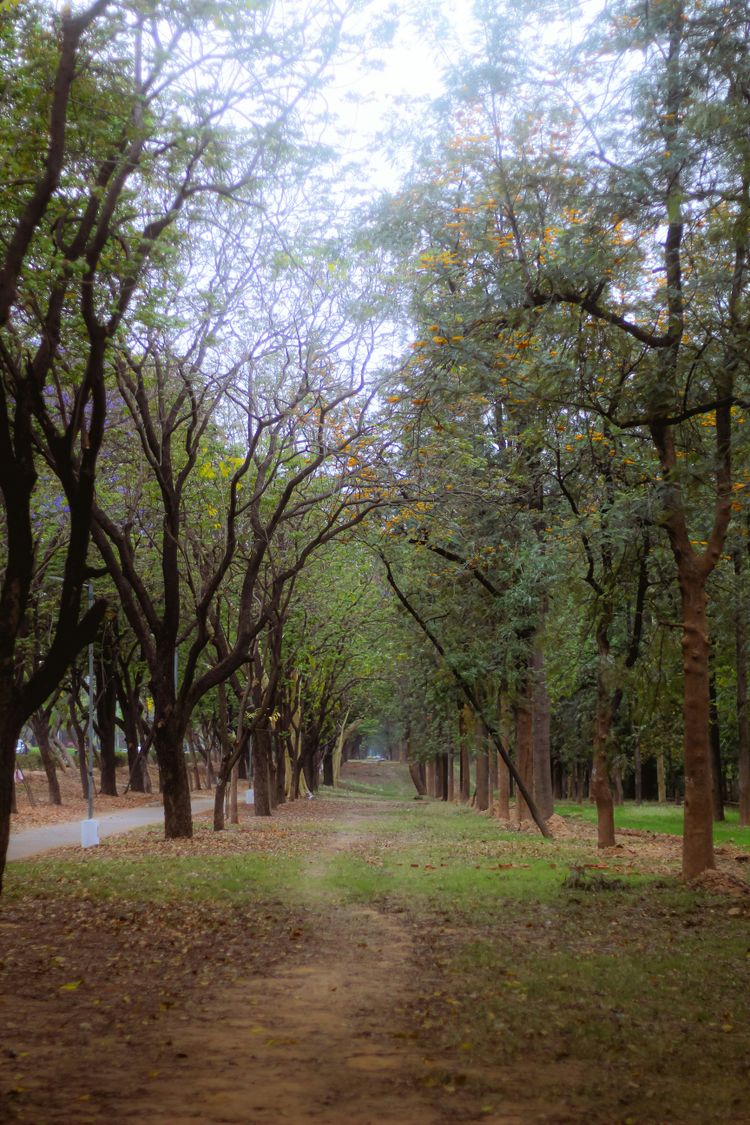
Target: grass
619	1006
397	788
206	879
627	1006
650	817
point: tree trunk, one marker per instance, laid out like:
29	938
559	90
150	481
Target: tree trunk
638	769
661	779
10	730
619	795
493	771
417	772
194	764
743	727
429	771
452	776
524	752
261	772
178	816
137	775
39	723
542	767
503	791
698	843
280	759
106	710
220	794
717	772
466	729
234	816
600	787
483	780
443	772
169	735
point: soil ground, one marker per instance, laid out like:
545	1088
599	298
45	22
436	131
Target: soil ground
74	805
350	960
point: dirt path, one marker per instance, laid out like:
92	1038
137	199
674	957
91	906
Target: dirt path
318	1040
237	978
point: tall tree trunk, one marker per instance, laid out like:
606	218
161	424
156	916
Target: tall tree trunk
503	791
483	780
10	730
661	779
220	794
417	772
619	794
542	768
106	710
197	785
493	772
638	769
698	842
261	772
234	816
524	750
743	727
600	787
466	728
169	735
175	788
443	772
39	723
429	770
717	772
280	759
137	774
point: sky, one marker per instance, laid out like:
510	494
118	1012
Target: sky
412	68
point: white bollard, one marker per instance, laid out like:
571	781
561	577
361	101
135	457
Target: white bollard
89	833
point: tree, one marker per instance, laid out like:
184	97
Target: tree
550	244
123	147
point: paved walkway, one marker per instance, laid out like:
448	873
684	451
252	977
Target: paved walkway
36	840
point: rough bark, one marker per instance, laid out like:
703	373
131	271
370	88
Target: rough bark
503	791
661	779
542	767
443	776
39	723
600	787
717	771
168	738
524	752
417	772
483	780
466	727
138	779
698	844
106	710
743	727
262	772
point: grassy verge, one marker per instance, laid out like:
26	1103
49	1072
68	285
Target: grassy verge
651	817
628	1002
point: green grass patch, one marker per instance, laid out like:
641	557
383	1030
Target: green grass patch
651	817
626	1007
158	879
